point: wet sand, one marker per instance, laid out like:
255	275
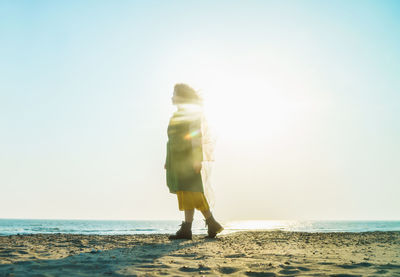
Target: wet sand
258	253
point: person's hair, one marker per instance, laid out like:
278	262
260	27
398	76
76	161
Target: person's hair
186	94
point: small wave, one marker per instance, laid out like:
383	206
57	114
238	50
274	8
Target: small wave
13	227
44	229
145	229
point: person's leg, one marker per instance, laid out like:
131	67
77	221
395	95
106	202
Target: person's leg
189	214
206	214
213	226
185	232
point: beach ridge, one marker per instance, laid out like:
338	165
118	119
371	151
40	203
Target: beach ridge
246	253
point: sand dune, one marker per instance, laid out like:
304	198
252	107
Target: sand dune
239	254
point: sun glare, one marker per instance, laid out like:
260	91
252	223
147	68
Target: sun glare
250	103
257	225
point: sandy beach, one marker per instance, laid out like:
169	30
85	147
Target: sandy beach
260	253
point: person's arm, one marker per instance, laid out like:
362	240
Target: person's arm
168	150
167	156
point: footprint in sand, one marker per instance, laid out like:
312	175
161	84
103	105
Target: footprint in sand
303	268
189	269
356	265
289	271
235	256
389	266
260	274
154	266
292	270
228	270
344	275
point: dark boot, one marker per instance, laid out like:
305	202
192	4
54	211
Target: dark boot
185	232
213	227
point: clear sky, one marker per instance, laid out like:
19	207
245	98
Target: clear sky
304	97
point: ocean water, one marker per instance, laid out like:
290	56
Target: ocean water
124	227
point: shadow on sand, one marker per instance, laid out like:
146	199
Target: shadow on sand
115	262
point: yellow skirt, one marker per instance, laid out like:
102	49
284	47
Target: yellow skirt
189	200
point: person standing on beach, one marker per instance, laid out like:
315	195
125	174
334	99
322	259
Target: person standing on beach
184	160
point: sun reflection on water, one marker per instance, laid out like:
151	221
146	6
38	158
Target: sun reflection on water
234	226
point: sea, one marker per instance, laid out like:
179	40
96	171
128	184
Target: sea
127	227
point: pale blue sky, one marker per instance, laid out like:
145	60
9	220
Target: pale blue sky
304	96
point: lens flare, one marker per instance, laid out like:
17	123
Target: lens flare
192	134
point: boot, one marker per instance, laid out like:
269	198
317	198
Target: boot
213	227
185	232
